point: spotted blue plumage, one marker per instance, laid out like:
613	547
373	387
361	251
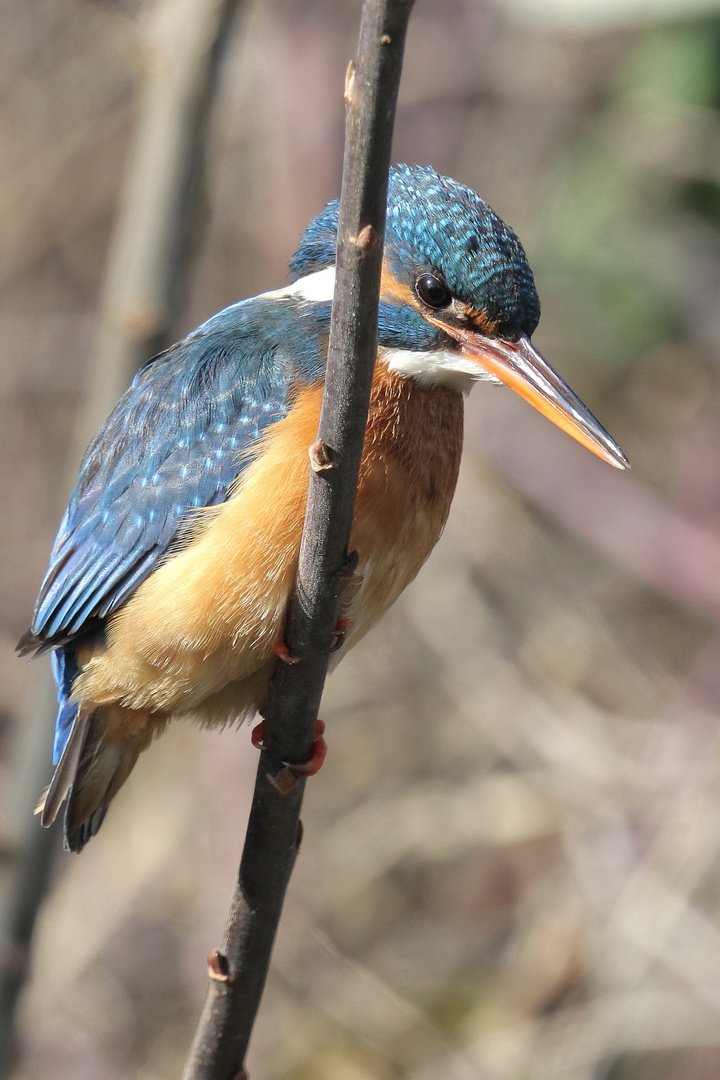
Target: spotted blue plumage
434	223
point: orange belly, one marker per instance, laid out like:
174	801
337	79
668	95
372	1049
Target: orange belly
196	638
407	480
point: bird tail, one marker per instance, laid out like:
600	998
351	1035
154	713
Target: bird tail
90	772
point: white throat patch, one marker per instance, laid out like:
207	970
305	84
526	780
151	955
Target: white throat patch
438	367
441	367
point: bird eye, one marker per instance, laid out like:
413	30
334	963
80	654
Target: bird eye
432	291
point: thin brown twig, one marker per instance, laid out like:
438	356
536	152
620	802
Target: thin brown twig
238	971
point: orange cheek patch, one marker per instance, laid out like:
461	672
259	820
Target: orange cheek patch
480	321
396	291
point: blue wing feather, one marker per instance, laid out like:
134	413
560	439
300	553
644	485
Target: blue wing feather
175	443
65	669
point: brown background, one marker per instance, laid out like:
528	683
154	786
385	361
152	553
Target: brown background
510	866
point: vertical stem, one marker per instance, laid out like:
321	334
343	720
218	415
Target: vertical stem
239	970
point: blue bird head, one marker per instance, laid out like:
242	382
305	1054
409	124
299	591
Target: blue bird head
458	301
435	226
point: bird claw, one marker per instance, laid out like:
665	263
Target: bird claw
339	634
283	653
293	772
256	736
281	650
318	752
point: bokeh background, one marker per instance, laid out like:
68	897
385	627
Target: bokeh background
511	863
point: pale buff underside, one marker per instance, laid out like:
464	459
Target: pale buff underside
196	638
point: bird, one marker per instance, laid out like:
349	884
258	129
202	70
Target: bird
171	574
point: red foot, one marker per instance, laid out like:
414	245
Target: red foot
341	629
283	653
281	650
318	750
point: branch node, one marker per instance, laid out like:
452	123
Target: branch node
284	781
218	967
349	566
350	83
322	456
385	39
367	238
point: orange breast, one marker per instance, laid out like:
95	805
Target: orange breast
197	636
407	480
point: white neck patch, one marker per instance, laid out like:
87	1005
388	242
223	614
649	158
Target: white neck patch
441	367
315	288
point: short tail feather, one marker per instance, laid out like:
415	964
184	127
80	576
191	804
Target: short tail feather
90	773
66	769
89	769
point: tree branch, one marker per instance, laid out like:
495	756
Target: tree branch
238	971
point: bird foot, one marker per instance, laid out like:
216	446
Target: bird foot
318	751
281	650
314	763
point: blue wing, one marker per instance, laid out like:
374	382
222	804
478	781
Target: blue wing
175	443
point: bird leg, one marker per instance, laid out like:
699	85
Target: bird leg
281	650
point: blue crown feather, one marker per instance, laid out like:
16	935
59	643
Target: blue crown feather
434	222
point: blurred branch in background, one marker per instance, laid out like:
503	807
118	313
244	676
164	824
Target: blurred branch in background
144	279
148	256
643	534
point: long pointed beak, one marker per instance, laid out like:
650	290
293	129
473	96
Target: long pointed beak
521	367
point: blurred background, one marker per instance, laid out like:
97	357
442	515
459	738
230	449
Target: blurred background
511	862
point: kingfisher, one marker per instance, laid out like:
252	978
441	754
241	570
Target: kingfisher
172	571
